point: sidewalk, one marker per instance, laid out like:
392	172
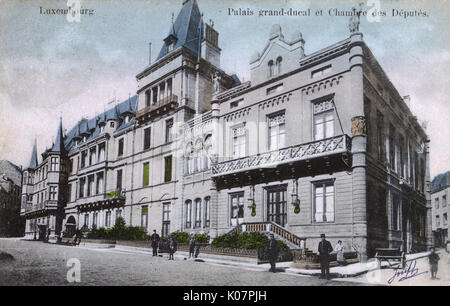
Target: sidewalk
349	271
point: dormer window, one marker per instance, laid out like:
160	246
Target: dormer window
111	124
127	119
278	63
270	68
170	42
102	128
84	138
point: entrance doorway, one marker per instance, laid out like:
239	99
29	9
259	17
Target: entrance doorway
277	205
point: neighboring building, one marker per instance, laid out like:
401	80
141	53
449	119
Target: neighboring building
440	192
11	224
313	143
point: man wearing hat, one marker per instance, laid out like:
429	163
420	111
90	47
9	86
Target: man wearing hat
325	249
273	249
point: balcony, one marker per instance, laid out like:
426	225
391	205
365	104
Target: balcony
110	199
308	159
41	209
159	108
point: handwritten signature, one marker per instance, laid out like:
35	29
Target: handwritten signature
403	274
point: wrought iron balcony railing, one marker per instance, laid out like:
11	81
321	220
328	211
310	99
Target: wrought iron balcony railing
306	151
159	108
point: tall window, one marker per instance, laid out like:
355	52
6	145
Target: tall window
391	148
91	184
53	193
207	151
198	213
82	184
169	130
92	154
277	131
444	219
324	202
147	97
108	219
207	207
119	179
86	220
188	214
237	208
166	221
270	68
144	217
71	166
168	168
323	118
436	203
278	63
83	159
100	182
94	219
438	221
69	192
101	152
239	142
120	147
444	201
380	141
147	133
395	212
54	164
145	174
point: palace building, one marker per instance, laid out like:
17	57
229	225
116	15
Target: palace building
312	143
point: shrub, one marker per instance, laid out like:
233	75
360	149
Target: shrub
181	237
250	241
119	232
201	238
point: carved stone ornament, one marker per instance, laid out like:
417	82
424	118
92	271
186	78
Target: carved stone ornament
359	126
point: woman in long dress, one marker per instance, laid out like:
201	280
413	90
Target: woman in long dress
339	249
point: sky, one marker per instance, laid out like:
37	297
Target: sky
50	67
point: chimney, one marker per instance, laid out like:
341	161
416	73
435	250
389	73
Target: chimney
407	100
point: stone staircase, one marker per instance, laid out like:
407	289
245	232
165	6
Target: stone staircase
292	241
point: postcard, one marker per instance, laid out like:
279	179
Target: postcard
224	148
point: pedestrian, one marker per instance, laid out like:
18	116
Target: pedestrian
433	258
155	242
273	249
49	232
77	239
339	249
191	245
324	251
172	247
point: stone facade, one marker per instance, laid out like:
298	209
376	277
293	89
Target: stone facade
440	208
318	143
10	194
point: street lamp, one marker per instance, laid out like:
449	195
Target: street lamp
251	199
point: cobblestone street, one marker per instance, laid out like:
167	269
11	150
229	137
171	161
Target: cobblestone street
38	263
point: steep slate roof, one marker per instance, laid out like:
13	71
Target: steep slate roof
58	146
186	29
33	159
440	181
86	125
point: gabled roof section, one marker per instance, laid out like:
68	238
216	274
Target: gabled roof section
33	160
186	31
440	181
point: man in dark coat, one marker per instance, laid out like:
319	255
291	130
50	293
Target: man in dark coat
324	251
433	258
273	249
191	245
155	242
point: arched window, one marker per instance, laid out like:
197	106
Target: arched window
206	213
278	68
270	69
198	213
198	155
189	154
188	205
207	151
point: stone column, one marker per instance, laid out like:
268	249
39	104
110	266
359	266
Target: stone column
214	201
359	142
